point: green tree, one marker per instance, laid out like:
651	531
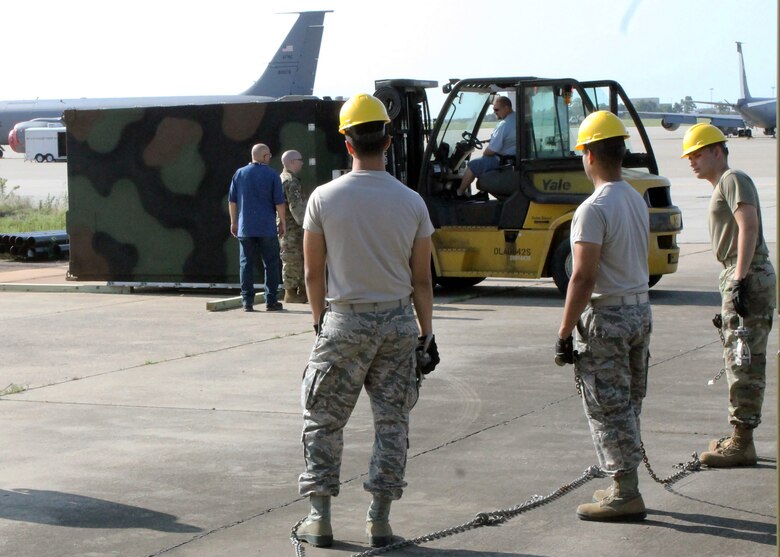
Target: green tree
687	104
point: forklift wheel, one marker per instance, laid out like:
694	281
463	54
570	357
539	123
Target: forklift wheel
561	265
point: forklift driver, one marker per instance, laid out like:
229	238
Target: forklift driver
502	143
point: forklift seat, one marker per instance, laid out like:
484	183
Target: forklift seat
500	183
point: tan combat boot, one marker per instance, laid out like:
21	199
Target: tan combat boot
378	522
623	503
600	494
738	450
716	443
316	528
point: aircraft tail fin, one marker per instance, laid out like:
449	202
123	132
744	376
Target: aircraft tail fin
743	86
294	67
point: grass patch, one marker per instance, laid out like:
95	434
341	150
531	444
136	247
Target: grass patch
20	214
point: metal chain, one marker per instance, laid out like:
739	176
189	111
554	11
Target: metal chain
299	551
495	518
578	384
718	323
693	465
717	376
500	516
491	518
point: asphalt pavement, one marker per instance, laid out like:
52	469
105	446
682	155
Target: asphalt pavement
149	426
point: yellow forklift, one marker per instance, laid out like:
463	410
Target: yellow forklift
520	226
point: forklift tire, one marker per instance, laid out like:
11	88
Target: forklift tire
561	265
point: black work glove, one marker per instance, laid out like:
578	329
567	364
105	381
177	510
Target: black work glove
564	351
427	358
739	296
318	325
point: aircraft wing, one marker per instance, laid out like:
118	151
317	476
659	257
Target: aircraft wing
672	120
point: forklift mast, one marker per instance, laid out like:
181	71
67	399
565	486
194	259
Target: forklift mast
410	126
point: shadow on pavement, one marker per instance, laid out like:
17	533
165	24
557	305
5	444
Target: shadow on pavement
428	551
701	298
719	505
77	511
732	528
550	297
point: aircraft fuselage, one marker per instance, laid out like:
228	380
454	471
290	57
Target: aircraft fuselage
758	112
13	112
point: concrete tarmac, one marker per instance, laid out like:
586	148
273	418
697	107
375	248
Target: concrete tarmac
146	426
149	426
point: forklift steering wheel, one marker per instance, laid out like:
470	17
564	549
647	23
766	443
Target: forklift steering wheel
471	140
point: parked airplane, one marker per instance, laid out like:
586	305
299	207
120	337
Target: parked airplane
760	112
291	72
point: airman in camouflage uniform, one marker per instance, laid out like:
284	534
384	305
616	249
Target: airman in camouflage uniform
291	243
378	263
607	302
746	284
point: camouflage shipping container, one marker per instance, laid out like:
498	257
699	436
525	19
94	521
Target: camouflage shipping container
147	187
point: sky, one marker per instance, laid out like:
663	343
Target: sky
654	48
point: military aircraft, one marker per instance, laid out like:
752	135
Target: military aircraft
760	112
291	72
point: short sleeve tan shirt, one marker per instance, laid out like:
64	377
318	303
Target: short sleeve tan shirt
733	188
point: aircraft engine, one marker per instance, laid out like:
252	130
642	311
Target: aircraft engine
13	142
671	126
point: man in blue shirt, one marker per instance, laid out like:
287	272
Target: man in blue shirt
255	199
503	142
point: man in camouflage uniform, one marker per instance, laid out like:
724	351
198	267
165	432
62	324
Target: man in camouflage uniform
747	287
378	263
291	243
607	302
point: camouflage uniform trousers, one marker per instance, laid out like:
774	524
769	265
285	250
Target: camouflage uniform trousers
747	383
375	350
613	344
291	251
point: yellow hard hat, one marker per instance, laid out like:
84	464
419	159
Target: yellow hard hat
700	135
361	109
598	126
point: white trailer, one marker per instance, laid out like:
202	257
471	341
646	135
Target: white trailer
45	144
